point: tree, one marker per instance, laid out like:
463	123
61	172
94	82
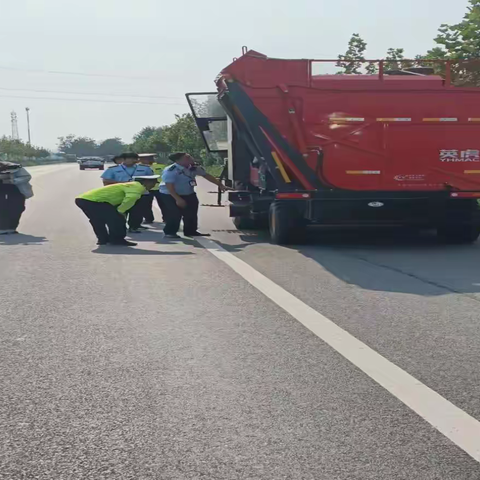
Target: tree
396	59
436	53
461	41
80	146
351	62
110	146
16	149
150	140
183	136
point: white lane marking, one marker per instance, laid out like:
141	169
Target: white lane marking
457	425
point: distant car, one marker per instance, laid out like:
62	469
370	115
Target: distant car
91	162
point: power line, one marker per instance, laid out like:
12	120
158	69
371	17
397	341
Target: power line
58	72
86	93
91	100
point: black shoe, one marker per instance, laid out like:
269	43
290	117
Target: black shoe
102	242
124	243
172	235
134	230
197	234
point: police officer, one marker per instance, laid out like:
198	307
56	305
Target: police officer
157	170
148	159
106	207
178	197
124	172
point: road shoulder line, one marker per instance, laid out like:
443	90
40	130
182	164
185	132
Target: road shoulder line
455	424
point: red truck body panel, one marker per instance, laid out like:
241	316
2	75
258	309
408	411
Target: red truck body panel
377	133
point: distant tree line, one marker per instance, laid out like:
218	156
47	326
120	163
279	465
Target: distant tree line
181	135
16	149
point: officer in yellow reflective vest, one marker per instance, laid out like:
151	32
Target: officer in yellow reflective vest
105	207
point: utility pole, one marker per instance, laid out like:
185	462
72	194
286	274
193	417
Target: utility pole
15	135
28	125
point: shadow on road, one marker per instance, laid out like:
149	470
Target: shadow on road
386	260
119	250
21	239
158	238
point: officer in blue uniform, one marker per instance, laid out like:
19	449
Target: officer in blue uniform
178	197
126	169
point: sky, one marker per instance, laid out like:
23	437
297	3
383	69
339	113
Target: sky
108	68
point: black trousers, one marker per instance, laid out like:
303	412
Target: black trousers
173	214
101	216
12	205
137	213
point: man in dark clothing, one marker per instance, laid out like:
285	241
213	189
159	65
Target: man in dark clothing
15	188
179	199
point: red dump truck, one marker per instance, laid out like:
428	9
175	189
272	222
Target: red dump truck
394	148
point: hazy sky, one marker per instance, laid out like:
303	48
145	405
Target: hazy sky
159	48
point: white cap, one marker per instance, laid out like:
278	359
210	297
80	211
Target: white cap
146	177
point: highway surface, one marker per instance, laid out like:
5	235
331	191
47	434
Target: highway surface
353	357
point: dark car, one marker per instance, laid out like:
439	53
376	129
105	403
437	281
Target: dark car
91	162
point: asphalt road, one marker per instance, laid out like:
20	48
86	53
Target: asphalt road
161	362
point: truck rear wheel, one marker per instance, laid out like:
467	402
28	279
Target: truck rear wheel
286	225
248	223
458	233
244	223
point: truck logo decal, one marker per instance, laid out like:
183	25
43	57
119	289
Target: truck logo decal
459	156
375	204
412	177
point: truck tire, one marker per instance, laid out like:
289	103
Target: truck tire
457	234
248	223
244	223
286	225
82	168
101	168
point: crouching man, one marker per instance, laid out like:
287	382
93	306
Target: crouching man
105	207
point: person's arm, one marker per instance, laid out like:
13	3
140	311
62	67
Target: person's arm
215	181
181	203
109	182
132	195
107	177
